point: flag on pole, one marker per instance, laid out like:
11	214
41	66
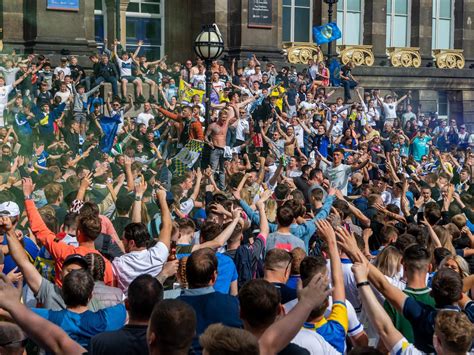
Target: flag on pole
326	33
109	126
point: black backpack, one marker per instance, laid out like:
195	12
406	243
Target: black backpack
243	262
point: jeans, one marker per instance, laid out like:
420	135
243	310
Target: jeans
216	161
230	137
111	80
348	85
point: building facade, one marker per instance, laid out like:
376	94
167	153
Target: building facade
426	46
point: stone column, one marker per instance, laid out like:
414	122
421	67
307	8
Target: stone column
468	108
123	22
13	17
464	29
421	24
375	28
111	24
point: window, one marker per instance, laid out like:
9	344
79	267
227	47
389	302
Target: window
443	104
297	20
398	23
349	20
443	24
145	21
99	22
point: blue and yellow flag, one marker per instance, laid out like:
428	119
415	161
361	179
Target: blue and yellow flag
326	33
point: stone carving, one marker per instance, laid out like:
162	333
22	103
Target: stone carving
302	52
449	58
408	57
360	55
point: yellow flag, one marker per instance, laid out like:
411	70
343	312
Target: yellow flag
186	93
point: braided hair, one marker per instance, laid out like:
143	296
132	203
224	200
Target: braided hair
96	266
182	272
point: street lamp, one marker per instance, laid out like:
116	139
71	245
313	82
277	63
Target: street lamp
330	4
208	46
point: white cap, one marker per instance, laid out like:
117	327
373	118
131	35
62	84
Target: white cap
9	209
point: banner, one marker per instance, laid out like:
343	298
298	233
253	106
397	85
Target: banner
186	93
65	5
326	33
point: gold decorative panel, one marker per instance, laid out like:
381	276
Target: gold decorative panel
449	58
360	55
408	57
302	52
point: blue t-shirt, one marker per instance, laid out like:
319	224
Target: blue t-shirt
42	160
420	147
81	327
226	273
31	250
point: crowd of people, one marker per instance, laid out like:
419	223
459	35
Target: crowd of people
289	221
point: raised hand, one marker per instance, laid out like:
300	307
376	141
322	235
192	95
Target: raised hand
316	292
326	230
28	186
86	181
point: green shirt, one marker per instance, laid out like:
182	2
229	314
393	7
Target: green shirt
401	323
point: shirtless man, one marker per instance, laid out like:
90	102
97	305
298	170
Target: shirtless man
216	134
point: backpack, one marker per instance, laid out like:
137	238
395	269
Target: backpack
243	262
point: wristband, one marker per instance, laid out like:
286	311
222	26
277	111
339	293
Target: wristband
138	198
364	283
29	197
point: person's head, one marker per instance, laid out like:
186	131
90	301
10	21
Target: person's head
388	261
416	260
446	287
53	193
456	263
298	255
310	267
12	339
259	304
453	333
123	204
219	339
171	328
96	266
135	237
338	156
201	268
388	234
9	210
285	216
77	288
143	294
277	265
426	193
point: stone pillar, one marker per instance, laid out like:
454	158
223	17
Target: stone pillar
421	24
468	108
111	24
123	22
375	28
13	34
464	29
428	99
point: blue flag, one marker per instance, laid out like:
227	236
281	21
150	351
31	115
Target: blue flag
109	126
326	33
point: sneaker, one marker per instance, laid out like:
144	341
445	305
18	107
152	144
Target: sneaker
141	99
152	99
81	140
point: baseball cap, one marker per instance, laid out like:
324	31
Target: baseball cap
463	126
75	259
9	209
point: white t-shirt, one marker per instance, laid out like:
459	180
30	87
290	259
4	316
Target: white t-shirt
403	347
144	118
307	105
313	342
131	265
66	71
242	127
187	206
299	134
390	110
199	81
125	67
63	95
339	176
4	92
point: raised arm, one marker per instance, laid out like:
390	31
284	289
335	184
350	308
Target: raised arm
197	185
139	46
224	236
44	333
21	78
377	315
137	204
17	252
166	223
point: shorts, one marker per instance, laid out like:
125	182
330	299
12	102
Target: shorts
80	117
130	79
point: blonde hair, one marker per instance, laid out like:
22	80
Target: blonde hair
389	261
271	210
445	238
460	261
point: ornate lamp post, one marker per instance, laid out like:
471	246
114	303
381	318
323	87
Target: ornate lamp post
208	46
330	11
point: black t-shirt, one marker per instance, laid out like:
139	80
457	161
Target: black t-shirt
130	340
120	223
293	349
